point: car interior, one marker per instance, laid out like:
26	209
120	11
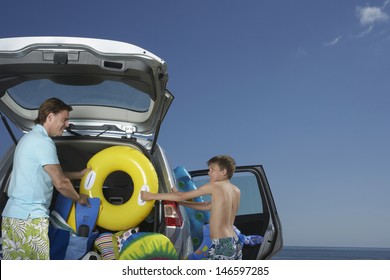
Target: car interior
118	187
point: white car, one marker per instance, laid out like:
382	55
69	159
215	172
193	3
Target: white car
119	96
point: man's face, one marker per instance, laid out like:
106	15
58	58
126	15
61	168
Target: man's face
57	123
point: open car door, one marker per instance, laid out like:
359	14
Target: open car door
257	214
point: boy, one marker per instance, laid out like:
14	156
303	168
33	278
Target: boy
223	206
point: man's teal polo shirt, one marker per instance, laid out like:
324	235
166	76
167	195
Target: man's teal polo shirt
30	190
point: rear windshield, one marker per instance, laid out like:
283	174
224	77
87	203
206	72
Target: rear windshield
31	94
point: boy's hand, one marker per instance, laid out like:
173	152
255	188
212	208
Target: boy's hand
145	196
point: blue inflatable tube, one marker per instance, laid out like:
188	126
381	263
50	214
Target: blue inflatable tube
197	217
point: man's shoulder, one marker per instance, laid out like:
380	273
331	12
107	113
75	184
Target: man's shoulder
37	140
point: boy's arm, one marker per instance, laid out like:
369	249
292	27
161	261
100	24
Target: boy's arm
197	205
173	196
176	196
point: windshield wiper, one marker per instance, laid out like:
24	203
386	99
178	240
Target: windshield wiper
69	130
100	130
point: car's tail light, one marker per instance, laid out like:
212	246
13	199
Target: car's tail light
173	216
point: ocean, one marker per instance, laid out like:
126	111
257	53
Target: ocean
332	253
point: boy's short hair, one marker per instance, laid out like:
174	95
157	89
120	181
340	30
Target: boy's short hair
224	162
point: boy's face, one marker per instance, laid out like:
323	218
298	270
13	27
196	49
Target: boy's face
215	173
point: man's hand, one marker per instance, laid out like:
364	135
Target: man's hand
83	172
84	200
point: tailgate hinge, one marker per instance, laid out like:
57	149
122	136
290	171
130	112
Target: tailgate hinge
129	130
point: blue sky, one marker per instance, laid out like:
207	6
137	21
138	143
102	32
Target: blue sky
301	87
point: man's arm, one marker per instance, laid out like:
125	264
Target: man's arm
76	175
63	184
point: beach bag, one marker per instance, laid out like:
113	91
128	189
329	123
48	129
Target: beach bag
64	243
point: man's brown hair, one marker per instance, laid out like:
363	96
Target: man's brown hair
51	105
224	162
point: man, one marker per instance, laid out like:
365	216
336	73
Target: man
223	206
36	169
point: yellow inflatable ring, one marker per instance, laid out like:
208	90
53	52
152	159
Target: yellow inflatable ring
139	168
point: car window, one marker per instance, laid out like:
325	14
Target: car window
251	202
31	94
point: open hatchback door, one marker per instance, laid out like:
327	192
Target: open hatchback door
116	89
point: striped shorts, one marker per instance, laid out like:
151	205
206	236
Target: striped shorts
25	239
